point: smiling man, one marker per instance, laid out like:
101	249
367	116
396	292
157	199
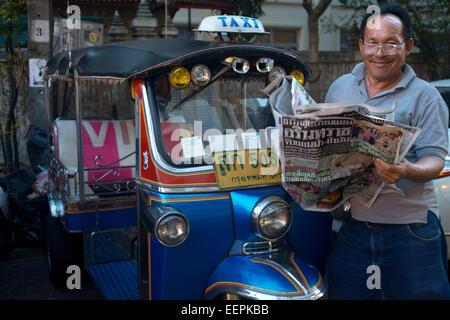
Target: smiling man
400	233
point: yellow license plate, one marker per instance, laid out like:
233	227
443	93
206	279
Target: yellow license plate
242	168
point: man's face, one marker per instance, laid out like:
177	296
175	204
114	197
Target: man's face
380	66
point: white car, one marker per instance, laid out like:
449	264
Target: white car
442	184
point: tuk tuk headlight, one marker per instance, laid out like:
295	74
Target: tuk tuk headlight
200	75
277	72
264	65
241	65
167	224
271	218
179	77
172	230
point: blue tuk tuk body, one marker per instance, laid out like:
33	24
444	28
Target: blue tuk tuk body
182	228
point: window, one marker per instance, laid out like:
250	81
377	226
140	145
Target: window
282	38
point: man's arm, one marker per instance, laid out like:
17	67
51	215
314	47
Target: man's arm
425	169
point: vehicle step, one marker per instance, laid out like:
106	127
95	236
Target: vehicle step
116	280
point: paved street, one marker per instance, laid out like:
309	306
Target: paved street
24	276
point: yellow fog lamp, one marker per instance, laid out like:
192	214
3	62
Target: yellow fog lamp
264	65
179	77
277	72
200	75
298	75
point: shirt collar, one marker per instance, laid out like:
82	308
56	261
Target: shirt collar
360	71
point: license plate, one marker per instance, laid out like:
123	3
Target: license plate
243	168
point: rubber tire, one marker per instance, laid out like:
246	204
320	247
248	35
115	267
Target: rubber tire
63	249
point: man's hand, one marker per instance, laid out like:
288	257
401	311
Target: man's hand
425	169
391	173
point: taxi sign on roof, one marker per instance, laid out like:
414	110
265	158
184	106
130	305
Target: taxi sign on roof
225	23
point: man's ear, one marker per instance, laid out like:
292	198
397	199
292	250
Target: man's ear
360	45
409	45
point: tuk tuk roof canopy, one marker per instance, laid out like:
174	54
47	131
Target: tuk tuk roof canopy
131	59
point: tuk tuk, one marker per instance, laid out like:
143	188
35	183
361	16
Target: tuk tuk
164	184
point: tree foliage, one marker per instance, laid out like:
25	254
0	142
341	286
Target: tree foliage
249	8
314	13
13	71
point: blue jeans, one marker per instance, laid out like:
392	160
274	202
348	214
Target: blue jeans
389	262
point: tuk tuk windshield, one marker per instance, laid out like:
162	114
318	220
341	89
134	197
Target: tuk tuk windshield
221	116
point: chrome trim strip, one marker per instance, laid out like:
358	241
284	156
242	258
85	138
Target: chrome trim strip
261	247
161	189
246	292
195	189
79	119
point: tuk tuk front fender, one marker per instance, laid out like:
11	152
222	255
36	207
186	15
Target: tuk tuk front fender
266	277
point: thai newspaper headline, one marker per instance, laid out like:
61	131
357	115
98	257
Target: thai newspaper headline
327	150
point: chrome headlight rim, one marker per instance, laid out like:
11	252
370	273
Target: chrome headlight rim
268	62
244	63
195	80
259	209
275	73
159	223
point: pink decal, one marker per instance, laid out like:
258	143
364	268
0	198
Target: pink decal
100	149
126	145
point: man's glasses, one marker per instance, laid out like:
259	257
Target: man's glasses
389	49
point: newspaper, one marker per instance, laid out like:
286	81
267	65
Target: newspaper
327	150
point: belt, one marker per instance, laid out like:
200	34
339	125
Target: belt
372	225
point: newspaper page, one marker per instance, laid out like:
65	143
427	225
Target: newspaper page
327	150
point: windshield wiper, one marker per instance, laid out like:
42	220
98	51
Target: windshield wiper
199	89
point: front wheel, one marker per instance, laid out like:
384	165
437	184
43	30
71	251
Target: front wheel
63	249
